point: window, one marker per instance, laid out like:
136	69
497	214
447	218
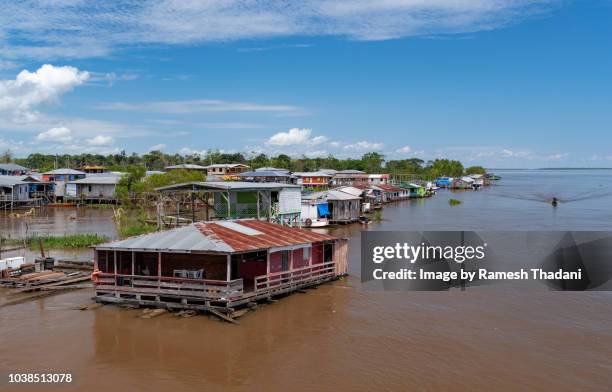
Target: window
306	254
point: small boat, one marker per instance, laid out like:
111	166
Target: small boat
364	220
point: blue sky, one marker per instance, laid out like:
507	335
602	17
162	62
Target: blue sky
499	83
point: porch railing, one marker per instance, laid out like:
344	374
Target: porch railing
294	278
154	285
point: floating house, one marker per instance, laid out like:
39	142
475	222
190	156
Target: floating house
16	192
368	199
377	179
416	191
479	181
14	188
316	179
350	178
314	213
464	182
391	192
268	176
444	182
215	266
342	207
100	188
12	169
272	201
59	178
224	171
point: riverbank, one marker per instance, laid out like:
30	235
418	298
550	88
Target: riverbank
524	339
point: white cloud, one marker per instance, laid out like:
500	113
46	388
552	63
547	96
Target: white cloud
363	146
76	29
157	147
20	97
318	140
57	135
100	140
404	150
295	136
198	106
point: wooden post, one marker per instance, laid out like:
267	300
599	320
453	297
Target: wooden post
206	198
229	267
115	265
133	271
270	206
159	258
228	205
192	208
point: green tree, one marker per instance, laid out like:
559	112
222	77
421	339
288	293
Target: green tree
372	162
6	157
475	170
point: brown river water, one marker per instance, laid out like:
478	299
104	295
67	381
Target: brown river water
340	337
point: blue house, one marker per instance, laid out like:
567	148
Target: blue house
444	182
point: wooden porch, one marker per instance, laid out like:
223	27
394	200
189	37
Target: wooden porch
204	294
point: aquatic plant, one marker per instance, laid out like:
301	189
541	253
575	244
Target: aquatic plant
454	202
135	229
376	216
82	240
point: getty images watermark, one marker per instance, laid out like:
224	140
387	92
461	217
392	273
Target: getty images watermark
441	260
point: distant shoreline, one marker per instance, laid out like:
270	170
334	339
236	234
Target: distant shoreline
553	168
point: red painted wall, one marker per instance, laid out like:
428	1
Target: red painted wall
317	253
251	269
275	262
298	259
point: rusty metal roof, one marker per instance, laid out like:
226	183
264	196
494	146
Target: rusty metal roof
233	236
389	188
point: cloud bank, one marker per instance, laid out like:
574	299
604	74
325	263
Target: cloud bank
80	29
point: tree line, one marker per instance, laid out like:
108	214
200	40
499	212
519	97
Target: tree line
371	162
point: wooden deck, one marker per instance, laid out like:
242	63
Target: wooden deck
199	294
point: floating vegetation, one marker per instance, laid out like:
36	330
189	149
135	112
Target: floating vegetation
67	241
454	202
376	216
135	229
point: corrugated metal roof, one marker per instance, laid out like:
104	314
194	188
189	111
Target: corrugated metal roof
226	165
12	167
11	181
98	180
227	185
274	169
329	195
263	173
64	171
389	188
351	171
188	166
312	174
351	190
219	237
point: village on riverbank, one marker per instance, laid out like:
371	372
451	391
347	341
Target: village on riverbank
217	238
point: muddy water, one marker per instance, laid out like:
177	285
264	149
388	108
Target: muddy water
341	337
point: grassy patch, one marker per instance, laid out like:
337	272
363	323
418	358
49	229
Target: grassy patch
136	229
69	241
454	202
